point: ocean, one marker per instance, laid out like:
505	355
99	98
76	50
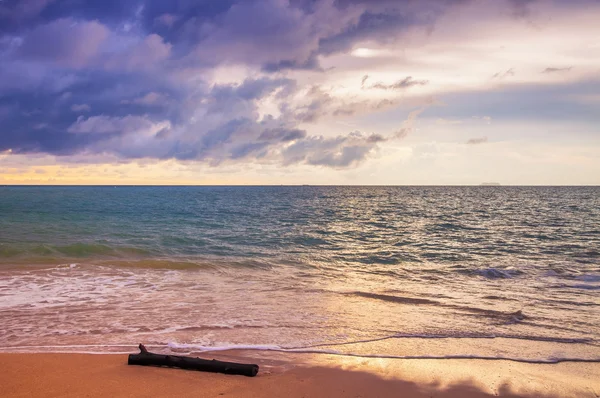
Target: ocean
392	272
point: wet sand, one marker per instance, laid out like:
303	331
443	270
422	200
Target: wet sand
78	375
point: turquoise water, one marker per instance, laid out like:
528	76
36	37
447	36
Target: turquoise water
384	271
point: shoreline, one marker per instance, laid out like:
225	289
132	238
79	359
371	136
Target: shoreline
297	353
94	375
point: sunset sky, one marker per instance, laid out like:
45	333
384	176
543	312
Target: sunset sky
300	92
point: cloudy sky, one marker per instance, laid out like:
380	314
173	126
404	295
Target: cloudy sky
299	91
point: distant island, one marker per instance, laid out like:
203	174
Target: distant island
490	184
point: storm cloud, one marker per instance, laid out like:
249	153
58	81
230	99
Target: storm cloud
209	81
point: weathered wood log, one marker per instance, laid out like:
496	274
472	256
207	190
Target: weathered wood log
146	358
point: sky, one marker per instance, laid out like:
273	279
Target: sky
335	92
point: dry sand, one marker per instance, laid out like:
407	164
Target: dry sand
84	375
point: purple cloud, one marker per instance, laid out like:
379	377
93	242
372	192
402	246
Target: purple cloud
277	33
338	152
80	108
109	125
66	42
14	13
137	79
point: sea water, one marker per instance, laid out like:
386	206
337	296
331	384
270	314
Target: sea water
395	272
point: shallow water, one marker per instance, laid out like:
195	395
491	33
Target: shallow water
494	272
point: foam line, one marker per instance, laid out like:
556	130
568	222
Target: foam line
550	360
425	336
269	347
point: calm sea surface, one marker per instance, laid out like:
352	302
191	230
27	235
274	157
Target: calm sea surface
492	272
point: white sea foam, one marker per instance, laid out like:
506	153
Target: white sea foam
269	347
216	311
184	348
203	348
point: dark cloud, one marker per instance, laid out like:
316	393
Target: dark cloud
39	138
80	108
142	54
66	42
129	78
185	23
106	11
375	138
281	134
318	104
338	152
35	124
258	150
220	125
71	44
223	134
398	3
261	32
370	26
109	125
14	14
477	141
274	34
310	63
42	113
151	98
250	89
552	70
282	37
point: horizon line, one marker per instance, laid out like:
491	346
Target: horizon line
485	185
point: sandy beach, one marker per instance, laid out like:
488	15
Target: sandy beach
78	375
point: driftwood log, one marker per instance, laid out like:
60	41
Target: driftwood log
146	358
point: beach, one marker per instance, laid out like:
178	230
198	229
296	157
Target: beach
362	198
79	375
333	291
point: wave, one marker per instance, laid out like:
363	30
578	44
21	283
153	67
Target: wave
548	339
187	349
578	286
499	273
256	347
169	264
589	278
490	272
125	258
190	348
75	250
501	316
395	299
324	348
500	298
74	349
215	327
